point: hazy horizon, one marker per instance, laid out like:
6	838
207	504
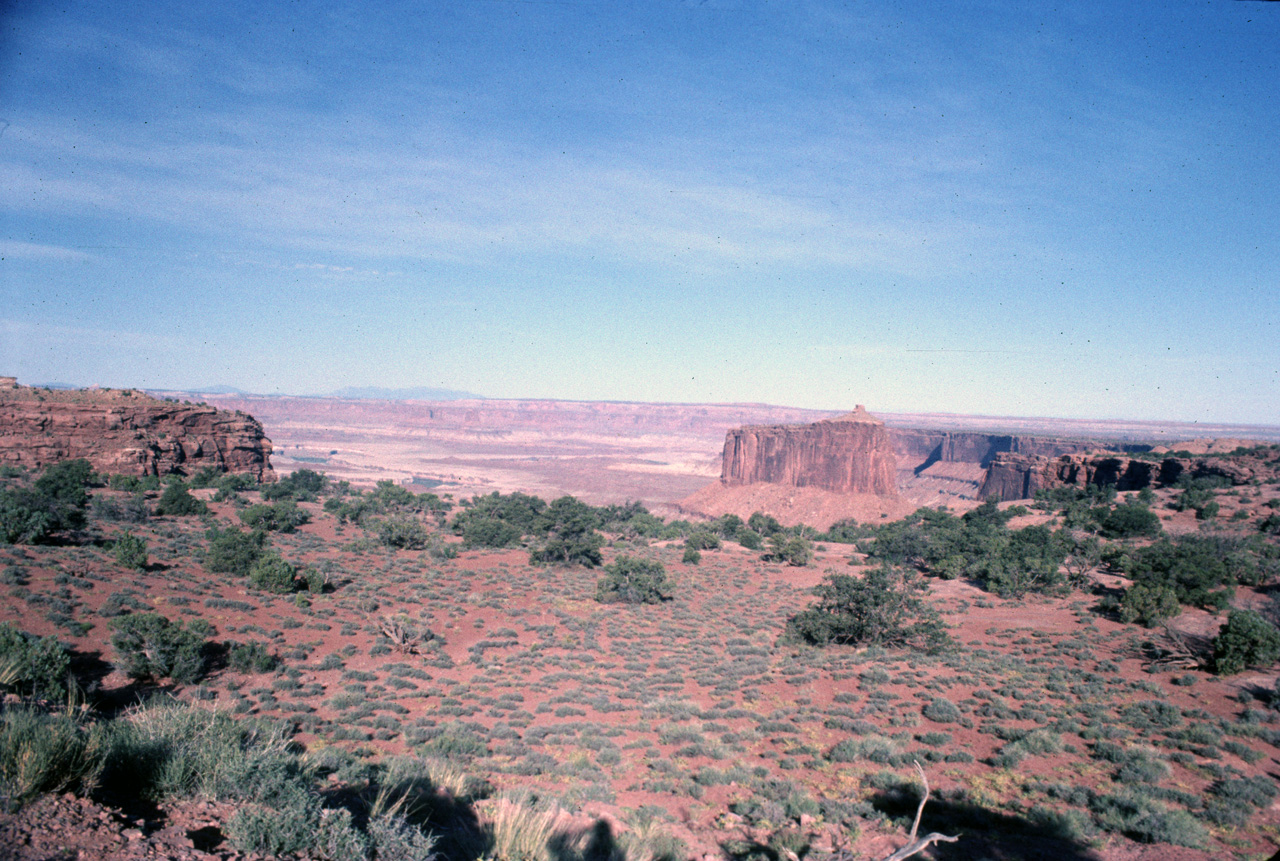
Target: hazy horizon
981	208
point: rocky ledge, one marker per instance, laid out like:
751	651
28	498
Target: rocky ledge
127	432
1018	476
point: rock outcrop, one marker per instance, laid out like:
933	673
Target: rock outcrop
847	454
127	432
1018	476
918	449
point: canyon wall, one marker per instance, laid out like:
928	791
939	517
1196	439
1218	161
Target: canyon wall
918	449
1018	476
857	454
847	454
126	432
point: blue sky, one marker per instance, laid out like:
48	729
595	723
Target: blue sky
968	207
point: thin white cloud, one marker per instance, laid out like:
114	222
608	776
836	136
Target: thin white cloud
14	250
29	336
381	200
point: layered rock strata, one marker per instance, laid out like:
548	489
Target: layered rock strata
1018	476
918	449
122	431
848	454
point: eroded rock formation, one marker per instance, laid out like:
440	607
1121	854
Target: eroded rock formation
1018	476
127	432
918	449
848	454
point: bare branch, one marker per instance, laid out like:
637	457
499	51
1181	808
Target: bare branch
403	635
915	846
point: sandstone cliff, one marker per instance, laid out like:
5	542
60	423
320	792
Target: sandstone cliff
1018	476
127	432
847	454
918	449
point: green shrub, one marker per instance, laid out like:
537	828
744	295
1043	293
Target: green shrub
764	525
132	510
691	557
232	551
1149	604
42	753
177	501
979	545
629	580
134	483
489	532
302	828
570	544
942	710
22	521
1142	769
872	748
1131	520
702	539
793	550
404	533
1151	714
55	502
1196	567
251	657
164	750
271	573
1233	800
36	666
1246	640
283	516
848	531
883	608
230	484
303	485
131	551
316	581
151	646
1142	818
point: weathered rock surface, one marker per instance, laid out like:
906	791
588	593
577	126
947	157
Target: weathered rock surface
848	454
918	449
127	432
1018	476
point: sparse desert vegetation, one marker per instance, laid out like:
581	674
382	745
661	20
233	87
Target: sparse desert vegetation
309	669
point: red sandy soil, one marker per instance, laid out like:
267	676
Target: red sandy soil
792	505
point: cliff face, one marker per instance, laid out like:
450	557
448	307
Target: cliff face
1019	476
848	454
127	432
919	449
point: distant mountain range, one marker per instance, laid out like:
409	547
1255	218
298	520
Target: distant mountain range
413	394
373	393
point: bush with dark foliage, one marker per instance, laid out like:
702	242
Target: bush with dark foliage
628	580
883	607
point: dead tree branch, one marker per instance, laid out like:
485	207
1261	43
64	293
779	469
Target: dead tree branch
915	845
403	635
1174	651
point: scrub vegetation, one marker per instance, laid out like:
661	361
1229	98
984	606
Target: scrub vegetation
373	673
